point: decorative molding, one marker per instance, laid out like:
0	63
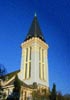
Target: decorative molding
34	40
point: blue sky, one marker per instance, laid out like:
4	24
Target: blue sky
54	19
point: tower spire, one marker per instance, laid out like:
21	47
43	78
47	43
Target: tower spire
35	30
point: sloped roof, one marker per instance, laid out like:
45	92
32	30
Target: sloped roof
11	82
35	30
10	75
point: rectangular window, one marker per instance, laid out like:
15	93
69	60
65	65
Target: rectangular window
28	63
41	63
25	70
30	53
29	69
39	54
42	56
26	54
40	70
43	70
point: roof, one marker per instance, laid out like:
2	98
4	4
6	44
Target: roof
10	75
35	30
11	82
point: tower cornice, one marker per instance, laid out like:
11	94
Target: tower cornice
34	40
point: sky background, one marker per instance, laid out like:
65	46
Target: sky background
54	18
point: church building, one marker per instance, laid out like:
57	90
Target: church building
34	64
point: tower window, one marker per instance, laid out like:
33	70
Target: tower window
25	70
28	63
26	54
39	70
42	55
41	64
30	53
43	71
29	69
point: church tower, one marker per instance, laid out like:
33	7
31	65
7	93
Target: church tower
34	59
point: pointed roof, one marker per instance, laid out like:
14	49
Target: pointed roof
35	30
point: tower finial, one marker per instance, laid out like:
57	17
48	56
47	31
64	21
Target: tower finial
35	14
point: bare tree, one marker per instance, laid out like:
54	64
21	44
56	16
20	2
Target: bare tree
2	78
2	72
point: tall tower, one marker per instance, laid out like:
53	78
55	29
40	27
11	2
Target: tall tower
34	59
